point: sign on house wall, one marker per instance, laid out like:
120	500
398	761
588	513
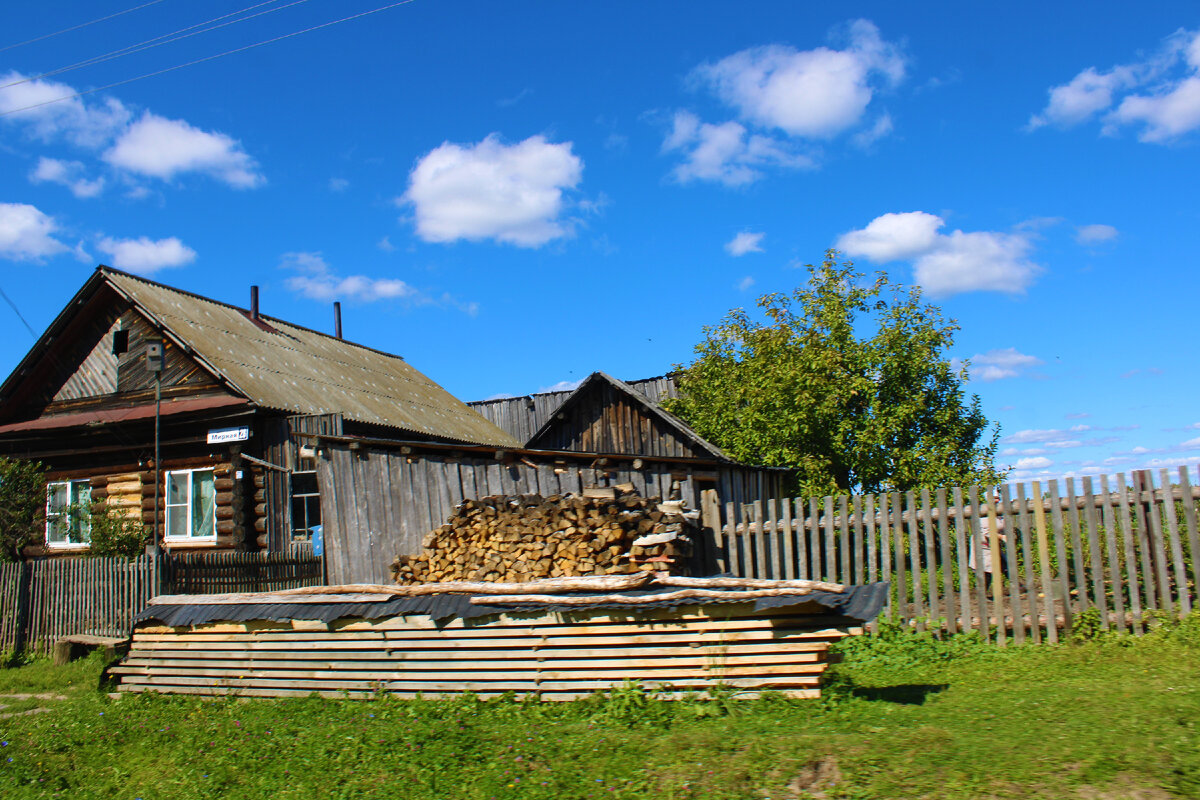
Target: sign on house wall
223	435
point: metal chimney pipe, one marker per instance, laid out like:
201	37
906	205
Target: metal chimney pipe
254	302
337	319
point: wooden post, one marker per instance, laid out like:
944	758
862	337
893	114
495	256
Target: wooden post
997	576
1043	545
1114	561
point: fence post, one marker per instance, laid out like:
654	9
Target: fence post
24	600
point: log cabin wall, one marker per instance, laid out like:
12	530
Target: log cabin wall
379	503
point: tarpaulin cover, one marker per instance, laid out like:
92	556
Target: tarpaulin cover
861	603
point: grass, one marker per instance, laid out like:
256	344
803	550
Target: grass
905	716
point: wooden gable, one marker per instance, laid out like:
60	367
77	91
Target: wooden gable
605	416
73	366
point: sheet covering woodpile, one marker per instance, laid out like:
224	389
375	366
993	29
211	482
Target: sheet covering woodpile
609	531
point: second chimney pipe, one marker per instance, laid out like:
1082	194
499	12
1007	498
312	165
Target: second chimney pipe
337	319
253	302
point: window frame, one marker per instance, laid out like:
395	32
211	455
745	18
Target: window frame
188	505
292	495
79	528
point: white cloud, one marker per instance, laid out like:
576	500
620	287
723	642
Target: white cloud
338	184
745	242
561	386
815	93
727	153
385	244
144	256
1191	443
163	148
1006	363
1087	94
25	233
745	283
69	174
894	237
1036	462
318	282
946	264
882	127
1159	95
1095	234
513	194
84	124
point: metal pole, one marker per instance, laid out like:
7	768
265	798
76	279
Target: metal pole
157	481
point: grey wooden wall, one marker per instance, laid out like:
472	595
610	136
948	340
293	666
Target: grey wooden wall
379	503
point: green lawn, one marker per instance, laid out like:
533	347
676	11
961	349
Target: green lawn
906	717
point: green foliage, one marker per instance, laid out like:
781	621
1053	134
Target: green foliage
848	408
917	717
115	534
22	506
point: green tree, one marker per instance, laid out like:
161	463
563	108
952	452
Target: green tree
22	506
846	382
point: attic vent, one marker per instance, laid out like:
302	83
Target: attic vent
120	342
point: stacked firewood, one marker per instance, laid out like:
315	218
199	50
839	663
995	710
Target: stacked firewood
609	531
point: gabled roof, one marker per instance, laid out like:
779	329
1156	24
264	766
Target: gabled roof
674	424
280	366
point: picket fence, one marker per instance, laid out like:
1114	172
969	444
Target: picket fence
1127	548
44	600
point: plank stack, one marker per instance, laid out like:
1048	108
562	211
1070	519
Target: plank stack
607	531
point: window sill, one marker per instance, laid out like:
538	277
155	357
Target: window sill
59	547
186	544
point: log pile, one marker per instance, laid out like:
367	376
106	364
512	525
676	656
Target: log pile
515	539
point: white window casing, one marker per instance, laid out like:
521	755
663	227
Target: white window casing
190	503
68	514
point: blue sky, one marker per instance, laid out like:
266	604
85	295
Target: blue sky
513	195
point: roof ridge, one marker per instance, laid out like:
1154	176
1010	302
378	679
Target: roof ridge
107	270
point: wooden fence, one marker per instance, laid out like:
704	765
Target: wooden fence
44	600
1124	547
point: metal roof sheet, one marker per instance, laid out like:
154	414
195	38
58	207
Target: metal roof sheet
856	602
289	368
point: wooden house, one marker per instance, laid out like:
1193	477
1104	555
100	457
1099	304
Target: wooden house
236	388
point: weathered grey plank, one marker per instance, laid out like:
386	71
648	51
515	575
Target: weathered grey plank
1181	578
1112	557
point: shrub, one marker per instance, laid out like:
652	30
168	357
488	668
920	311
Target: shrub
114	534
22	506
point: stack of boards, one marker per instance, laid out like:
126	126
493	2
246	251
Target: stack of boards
555	654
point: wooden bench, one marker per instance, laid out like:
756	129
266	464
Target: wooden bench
69	648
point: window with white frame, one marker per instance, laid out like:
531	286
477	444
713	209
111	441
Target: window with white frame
68	513
191	505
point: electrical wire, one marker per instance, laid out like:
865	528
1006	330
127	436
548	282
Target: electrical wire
148	44
80	25
207	58
17	311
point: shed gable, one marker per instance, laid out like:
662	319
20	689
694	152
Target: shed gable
605	416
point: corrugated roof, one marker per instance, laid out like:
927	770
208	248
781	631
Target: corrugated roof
285	367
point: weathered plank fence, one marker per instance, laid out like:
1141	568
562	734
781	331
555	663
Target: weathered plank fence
44	600
1124	547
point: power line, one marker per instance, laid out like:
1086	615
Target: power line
207	58
148	44
17	311
80	25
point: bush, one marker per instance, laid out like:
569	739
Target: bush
22	506
114	534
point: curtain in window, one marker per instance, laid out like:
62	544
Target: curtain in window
58	524
204	504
